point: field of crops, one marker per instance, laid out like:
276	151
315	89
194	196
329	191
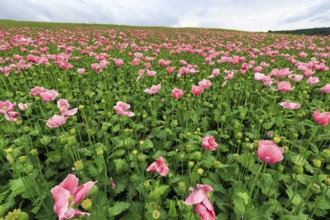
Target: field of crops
112	122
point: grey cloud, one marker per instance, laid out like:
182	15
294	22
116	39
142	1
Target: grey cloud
315	13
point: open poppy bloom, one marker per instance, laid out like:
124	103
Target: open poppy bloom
159	166
269	152
321	118
198	197
63	105
209	143
67	194
121	109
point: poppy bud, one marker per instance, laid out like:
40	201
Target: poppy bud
317	163
182	187
79	166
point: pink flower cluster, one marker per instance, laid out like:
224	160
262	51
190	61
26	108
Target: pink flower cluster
121	109
45	94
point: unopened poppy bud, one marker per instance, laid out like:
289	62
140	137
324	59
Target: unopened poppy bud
9	150
99	151
22	159
79	166
325	154
29	168
141	158
317	163
316	189
146	184
34	152
198	155
182	187
298	168
86	204
216	164
277	139
72	140
81	107
23	216
63	139
134	152
182	156
141	142
326	181
18	122
72	131
222	118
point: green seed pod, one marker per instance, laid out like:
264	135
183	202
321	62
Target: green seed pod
317	163
79	166
316	189
182	188
23	216
216	164
86	204
198	155
298	169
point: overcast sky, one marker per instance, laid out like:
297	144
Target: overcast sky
249	15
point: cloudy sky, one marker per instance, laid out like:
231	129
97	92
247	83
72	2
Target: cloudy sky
249	15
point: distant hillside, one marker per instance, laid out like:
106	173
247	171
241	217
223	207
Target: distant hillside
324	31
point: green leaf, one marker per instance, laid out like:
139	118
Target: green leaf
17	186
159	191
54	156
240	200
121	165
118	208
117	153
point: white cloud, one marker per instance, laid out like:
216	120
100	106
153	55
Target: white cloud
251	15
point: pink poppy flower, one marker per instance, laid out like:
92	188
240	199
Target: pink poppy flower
289	105
56	121
159	166
270	133
81	70
121	109
48	95
37	90
313	80
11	116
118	62
196	90
284	86
205	83
63	105
321	118
209	143
177	93
153	90
68	194
325	89
204	212
269	152
215	73
198	197
6	107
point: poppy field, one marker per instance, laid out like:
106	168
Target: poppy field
114	122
